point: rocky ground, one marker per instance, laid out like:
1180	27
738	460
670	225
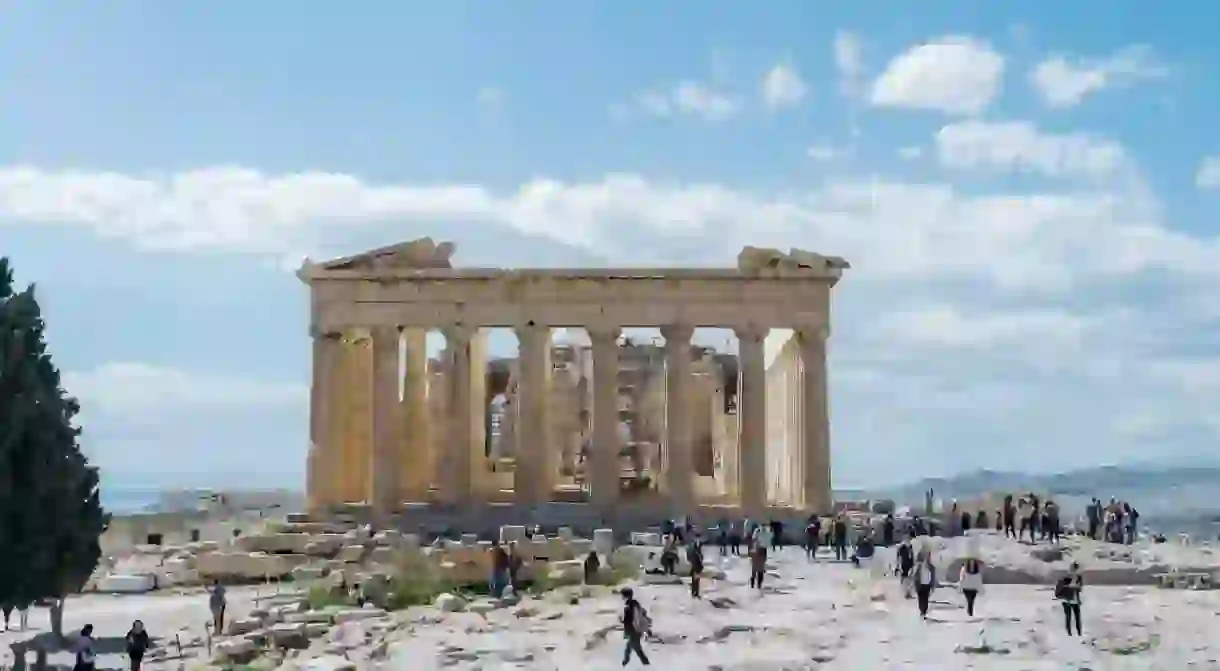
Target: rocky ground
821	615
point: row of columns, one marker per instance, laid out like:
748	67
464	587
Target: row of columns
400	466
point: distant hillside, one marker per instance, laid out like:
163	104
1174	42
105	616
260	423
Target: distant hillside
1191	490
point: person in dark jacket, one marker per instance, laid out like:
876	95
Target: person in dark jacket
980	520
635	621
694	557
593	564
840	534
906	560
1068	591
137	643
925	581
966	520
813	533
86	650
887	531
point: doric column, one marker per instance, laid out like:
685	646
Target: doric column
325	454
455	459
752	420
603	470
415	459
532	477
383	467
815	442
356	432
679	462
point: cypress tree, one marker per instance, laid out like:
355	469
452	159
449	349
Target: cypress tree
51	515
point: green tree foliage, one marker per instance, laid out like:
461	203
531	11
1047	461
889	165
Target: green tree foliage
50	513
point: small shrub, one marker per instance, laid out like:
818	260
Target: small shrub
321	597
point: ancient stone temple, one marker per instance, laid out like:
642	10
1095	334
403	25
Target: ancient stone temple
606	422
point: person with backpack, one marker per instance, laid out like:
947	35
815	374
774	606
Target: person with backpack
86	650
971	583
137	643
925	581
636	625
1068	591
694	557
905	561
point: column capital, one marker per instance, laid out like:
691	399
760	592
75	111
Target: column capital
318	333
751	333
677	335
460	333
813	332
603	334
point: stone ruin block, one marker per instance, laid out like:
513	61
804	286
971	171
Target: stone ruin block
512	533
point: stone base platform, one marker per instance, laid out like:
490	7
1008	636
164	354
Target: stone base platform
485	519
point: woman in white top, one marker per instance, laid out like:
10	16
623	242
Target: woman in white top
971	582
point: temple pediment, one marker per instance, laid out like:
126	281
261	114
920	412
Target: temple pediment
758	258
421	253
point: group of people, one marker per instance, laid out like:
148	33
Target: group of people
1118	521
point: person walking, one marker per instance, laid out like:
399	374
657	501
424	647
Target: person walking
813	532
971	583
217	602
137	643
925	581
694	557
86	650
636	625
758	567
499	578
887	531
840	538
1068	591
1010	514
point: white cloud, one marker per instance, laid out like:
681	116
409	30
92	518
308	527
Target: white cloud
849	62
687	99
897	230
945	326
1019	145
1208	174
782	87
491	97
139	388
955	75
1066	82
827	152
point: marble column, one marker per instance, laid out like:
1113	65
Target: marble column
384	466
415	449
752	420
679	434
532	482
455	483
603	470
357	415
815	420
325	454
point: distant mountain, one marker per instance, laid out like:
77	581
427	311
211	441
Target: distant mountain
1158	491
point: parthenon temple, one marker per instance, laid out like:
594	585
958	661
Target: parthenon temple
605	419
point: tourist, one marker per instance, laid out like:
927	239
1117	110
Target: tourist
735	538
1009	514
840	537
1026	512
1052	528
500	573
1133	517
137	643
1068	591
813	532
636	625
777	535
763	537
748	534
864	551
905	561
1093	512
971	583
758	567
722	537
86	650
887	531
694	557
217	602
1035	517
966	520
669	556
999	520
8	612
980	520
917	526
925	580
593	564
953	520
514	566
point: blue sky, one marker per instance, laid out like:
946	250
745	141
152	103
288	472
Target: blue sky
1026	195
